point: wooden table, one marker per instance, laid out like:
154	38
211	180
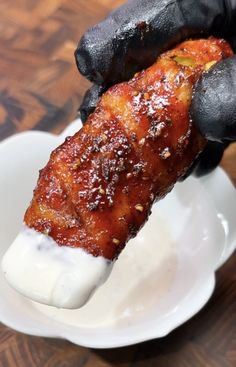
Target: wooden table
40	88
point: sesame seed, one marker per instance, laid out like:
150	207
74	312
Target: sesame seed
129	175
142	141
139	208
101	191
136	93
158	132
116	241
76	164
104	137
166	153
46	231
146	96
210	64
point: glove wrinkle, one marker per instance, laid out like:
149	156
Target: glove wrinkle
134	35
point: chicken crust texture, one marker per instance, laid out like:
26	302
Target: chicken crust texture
98	187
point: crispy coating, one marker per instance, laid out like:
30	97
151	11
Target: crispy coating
98	187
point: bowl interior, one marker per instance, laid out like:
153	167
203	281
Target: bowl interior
156	280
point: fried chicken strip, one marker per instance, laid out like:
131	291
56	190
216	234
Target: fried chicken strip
98	187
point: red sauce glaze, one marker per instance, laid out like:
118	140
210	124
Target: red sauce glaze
98	187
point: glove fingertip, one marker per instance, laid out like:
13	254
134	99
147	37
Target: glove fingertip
90	101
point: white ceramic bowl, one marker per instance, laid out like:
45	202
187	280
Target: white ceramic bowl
193	228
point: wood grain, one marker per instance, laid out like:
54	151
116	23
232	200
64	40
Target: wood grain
40	88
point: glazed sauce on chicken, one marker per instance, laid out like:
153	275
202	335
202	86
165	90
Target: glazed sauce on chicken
98	187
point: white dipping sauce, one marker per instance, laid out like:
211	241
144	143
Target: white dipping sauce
141	278
58	276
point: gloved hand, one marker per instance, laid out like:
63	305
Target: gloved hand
133	36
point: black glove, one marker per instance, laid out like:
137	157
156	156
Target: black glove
90	101
134	35
213	108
